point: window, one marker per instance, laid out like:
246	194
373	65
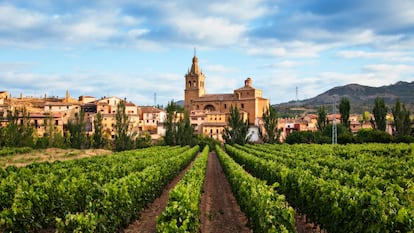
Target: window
225	106
242	105
56	122
217	130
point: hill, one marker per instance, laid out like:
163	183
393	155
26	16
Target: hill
361	98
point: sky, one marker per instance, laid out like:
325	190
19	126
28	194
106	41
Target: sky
133	49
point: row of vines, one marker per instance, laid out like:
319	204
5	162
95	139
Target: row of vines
352	188
182	213
100	194
266	210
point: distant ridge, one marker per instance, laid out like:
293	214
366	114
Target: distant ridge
361	97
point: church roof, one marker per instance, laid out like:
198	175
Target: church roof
245	88
216	97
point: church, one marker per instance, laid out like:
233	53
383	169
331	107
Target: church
209	112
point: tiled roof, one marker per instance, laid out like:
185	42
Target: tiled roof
215	97
149	109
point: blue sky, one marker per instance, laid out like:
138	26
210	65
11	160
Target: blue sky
133	49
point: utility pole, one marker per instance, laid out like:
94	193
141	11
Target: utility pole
334	128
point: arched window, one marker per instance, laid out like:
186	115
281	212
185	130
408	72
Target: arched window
209	108
195	84
189	83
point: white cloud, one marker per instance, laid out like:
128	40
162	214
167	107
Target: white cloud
241	10
215	31
12	18
291	49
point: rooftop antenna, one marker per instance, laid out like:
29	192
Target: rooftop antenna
155	99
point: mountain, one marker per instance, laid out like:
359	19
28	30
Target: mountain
361	98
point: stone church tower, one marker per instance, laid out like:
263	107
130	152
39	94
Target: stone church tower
194	83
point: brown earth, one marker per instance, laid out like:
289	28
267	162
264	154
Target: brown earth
219	209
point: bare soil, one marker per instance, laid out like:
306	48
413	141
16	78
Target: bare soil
219	209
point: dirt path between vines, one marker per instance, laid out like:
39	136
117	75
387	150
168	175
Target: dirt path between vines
219	209
148	219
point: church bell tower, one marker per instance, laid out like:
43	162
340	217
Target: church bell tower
194	83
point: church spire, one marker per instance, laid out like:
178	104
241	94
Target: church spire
195	69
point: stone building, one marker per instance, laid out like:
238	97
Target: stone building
247	99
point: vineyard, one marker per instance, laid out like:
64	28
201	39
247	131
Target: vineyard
350	188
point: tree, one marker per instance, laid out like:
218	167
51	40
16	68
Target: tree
52	137
271	133
366	116
18	132
123	140
185	132
237	132
178	132
402	121
322	118
344	109
99	140
77	131
170	125
380	112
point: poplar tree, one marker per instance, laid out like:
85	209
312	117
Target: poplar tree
402	122
238	129
271	133
170	125
98	138
322	119
77	131
123	140
344	109
380	112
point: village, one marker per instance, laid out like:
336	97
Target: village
208	113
